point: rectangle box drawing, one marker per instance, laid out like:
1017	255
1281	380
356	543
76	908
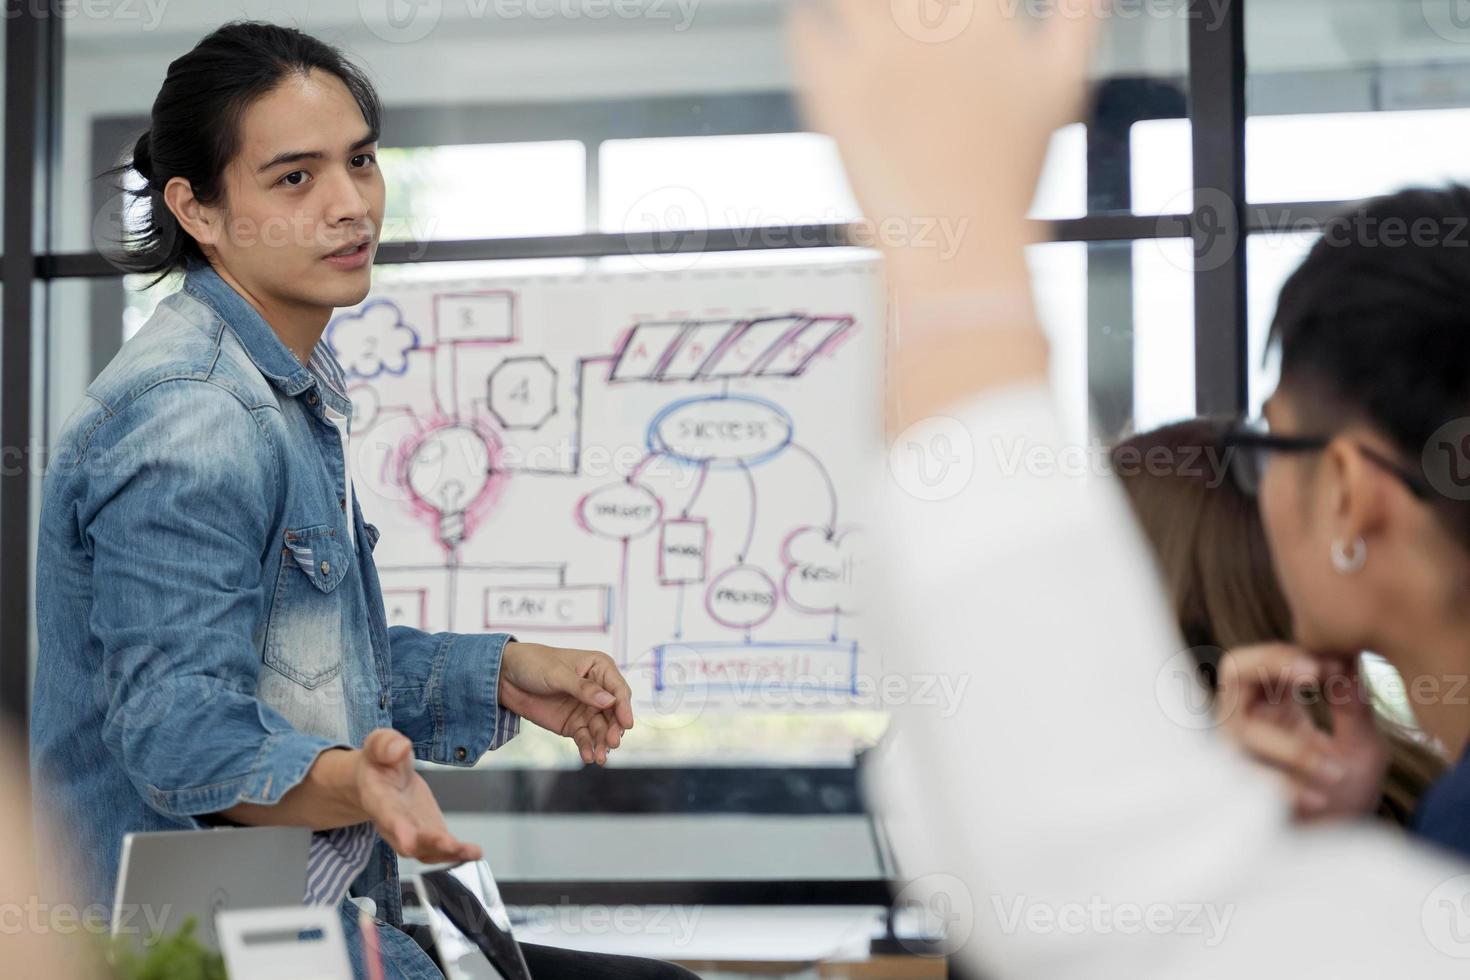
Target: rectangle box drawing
749	668
484	317
407	607
683	551
565	608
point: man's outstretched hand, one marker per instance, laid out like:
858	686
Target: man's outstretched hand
576	693
399	803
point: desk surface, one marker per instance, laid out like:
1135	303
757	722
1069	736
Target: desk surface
874	968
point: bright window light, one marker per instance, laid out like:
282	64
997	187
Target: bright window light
1163	166
1062	190
1269	258
485	190
722	182
1350	155
1163	332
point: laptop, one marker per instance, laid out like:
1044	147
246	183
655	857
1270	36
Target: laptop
165	877
469	923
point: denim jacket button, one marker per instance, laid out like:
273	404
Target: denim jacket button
311	398
326	567
460	753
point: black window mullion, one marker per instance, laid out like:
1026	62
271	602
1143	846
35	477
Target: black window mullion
32	59
1120	102
1217	114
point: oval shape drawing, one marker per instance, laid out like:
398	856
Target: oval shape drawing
741	597
730	430
619	510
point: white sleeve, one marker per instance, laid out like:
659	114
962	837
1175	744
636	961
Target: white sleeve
1072	813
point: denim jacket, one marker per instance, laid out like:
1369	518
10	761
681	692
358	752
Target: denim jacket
205	627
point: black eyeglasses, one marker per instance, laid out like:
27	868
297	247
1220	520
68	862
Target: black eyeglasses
1249	443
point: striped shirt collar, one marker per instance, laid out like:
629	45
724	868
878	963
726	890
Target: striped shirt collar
328	369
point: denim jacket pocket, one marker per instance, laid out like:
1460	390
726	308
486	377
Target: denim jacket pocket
304	636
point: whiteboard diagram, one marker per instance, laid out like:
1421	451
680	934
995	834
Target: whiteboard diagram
662	466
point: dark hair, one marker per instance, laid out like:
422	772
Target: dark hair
1207	536
1374	326
1211	548
195	125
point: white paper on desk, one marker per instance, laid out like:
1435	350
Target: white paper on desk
787	934
297	943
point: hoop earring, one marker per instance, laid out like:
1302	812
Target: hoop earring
1346	561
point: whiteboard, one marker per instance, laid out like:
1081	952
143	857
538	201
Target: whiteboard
661	465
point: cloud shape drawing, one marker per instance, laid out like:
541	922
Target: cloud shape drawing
373	340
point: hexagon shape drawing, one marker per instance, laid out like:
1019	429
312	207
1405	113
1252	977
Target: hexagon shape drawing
522	392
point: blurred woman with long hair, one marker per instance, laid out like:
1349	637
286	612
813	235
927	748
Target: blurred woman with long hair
1212	552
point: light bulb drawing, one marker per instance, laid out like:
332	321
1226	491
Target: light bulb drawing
448	471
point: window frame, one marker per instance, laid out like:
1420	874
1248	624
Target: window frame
35	49
1212	95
